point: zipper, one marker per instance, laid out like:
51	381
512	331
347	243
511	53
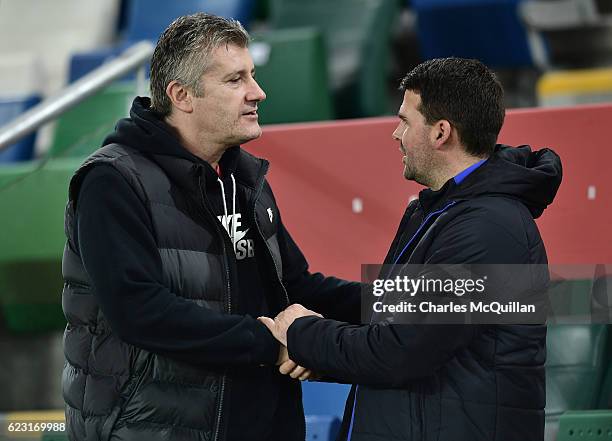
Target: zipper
422	414
229	302
258	189
429	216
414	236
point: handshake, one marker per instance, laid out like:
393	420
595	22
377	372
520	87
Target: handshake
278	327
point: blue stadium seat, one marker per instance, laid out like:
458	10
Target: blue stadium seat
146	19
324	398
11	108
84	62
489	30
322	427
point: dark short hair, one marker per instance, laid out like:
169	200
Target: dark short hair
183	53
464	92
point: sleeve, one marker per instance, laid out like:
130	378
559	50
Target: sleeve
379	355
332	297
116	243
387	355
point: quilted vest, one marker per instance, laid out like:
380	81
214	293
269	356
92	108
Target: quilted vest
113	389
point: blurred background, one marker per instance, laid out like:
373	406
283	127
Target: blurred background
69	70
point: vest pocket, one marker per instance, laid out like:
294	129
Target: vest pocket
131	388
110	422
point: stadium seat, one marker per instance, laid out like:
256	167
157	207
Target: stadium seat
577	86
146	19
82	63
291	67
604	400
575	367
569	33
82	129
32	244
587	425
54	419
489	30
322	427
54	436
11	108
54	30
357	34
324	398
262	10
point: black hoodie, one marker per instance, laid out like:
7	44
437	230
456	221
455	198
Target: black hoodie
116	243
449	382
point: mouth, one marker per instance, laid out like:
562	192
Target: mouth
252	113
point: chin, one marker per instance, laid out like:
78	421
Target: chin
248	136
408	174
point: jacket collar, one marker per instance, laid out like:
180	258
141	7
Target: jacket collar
247	169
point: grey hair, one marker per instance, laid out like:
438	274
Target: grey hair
183	53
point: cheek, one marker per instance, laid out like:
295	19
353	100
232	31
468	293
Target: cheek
408	141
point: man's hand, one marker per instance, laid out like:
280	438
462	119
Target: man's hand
290	367
279	326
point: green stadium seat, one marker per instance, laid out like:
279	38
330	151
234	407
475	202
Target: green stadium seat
571	301
357	34
81	130
585	426
604	400
53	421
576	360
262	10
54	436
32	243
292	69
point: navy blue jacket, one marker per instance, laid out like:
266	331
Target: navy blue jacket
449	382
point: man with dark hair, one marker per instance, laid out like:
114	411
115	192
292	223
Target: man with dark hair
175	245
446	382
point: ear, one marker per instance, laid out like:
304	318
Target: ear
180	96
440	133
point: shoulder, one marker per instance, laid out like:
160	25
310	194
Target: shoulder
492	214
114	163
488	230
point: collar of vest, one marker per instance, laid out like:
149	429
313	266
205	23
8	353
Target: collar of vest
247	169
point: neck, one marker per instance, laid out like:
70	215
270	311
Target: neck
450	170
204	149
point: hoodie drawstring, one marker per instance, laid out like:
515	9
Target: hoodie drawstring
233	235
232	232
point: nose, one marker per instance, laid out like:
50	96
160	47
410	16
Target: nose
256	93
397	133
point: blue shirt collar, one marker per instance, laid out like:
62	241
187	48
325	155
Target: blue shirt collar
464	174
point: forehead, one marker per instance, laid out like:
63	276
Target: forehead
229	58
410	103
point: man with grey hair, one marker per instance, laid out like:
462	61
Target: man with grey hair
175	246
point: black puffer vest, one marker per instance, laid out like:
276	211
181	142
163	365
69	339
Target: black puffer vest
114	390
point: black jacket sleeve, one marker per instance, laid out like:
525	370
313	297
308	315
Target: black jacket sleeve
386	355
115	240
